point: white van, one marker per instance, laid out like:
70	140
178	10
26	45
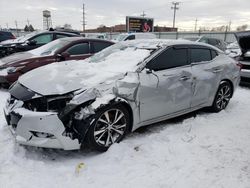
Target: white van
133	36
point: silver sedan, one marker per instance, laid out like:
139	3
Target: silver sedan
131	84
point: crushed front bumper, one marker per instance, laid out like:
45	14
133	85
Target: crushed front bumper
40	129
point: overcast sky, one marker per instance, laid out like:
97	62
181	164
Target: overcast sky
210	13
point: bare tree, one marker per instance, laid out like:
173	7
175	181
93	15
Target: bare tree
242	27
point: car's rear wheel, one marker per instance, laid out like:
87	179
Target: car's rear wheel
110	126
222	97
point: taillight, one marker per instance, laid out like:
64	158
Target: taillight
13	37
239	65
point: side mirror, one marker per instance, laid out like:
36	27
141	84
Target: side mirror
31	43
63	56
148	71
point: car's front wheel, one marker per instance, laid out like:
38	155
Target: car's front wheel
110	126
222	97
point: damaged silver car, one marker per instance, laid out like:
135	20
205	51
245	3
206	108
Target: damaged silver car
95	102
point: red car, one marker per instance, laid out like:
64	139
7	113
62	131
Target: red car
70	48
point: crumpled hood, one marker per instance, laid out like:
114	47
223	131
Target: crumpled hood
63	77
243	39
11	59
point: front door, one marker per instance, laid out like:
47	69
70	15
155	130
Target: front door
167	89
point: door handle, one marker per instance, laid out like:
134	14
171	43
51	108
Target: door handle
184	78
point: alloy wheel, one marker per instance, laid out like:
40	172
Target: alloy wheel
224	95
110	127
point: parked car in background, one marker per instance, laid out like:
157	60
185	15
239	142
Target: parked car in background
128	85
5	35
243	39
31	41
94	35
133	36
209	40
70	48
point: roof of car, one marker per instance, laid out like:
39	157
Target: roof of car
71	39
156	43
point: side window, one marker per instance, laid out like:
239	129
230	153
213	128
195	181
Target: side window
213	42
58	36
43	39
79	49
130	37
169	59
199	55
204	40
98	46
214	54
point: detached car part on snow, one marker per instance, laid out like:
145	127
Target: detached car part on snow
126	86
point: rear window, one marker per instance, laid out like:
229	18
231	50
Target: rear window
200	55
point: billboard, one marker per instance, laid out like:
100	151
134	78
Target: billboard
139	24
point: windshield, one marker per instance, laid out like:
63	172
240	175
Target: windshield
118	48
26	37
121	37
50	48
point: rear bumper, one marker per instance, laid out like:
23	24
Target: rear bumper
245	77
40	129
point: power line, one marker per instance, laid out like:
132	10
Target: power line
175	4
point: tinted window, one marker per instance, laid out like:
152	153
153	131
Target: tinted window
199	55
98	46
43	39
79	49
213	42
213	53
131	37
169	59
58	36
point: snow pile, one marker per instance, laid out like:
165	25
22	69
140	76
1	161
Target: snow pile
199	150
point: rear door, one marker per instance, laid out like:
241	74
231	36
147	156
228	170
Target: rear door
167	89
206	74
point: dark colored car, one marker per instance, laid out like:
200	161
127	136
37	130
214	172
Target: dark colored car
31	41
70	48
209	40
243	39
5	35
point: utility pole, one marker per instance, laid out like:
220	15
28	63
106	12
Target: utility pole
83	18
16	28
143	14
195	25
7	25
175	4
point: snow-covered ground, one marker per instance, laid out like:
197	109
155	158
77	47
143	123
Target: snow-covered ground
200	150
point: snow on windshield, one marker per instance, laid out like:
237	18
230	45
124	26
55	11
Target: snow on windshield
109	63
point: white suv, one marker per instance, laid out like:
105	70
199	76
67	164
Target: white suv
133	36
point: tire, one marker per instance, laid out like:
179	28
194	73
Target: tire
222	97
110	125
